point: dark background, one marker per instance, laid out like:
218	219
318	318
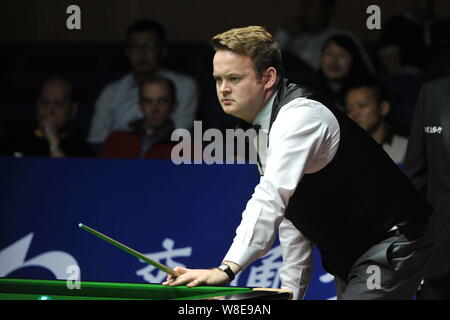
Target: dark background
36	44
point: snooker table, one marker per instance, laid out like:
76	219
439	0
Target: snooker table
27	289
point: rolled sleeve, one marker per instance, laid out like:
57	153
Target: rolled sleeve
295	273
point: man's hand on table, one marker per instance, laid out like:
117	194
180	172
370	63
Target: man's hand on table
200	277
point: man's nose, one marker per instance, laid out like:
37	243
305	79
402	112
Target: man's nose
154	107
224	88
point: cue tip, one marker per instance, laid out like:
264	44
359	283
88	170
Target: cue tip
80	225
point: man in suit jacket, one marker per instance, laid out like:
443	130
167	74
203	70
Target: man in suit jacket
427	164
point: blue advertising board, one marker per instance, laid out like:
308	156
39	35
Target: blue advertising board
183	215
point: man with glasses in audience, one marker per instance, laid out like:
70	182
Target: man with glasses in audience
118	106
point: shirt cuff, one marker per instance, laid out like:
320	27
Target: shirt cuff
242	255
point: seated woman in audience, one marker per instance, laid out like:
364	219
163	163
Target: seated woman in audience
150	136
341	64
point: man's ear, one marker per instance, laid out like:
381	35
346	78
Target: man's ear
270	78
385	108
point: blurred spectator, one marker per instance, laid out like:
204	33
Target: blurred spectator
409	40
306	39
148	137
341	65
54	134
368	104
427	164
117	106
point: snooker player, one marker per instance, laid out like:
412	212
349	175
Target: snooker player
325	182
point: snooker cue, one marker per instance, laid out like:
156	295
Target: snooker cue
134	253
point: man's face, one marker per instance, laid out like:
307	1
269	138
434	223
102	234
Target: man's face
336	62
363	108
54	104
156	104
144	51
240	90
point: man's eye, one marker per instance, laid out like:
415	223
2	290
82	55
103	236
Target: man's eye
234	79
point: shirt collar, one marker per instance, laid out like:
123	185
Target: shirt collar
263	117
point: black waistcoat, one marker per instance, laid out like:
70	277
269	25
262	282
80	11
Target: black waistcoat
349	205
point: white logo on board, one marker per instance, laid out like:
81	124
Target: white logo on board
13	257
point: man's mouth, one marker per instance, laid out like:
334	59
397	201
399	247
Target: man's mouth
227	101
334	69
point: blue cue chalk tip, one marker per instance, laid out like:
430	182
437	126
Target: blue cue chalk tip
80	225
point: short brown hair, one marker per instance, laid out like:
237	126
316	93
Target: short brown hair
157	79
255	42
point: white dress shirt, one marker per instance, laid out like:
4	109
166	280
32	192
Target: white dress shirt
303	139
396	148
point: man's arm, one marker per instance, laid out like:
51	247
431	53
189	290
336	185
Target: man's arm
416	167
100	127
297	138
295	273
